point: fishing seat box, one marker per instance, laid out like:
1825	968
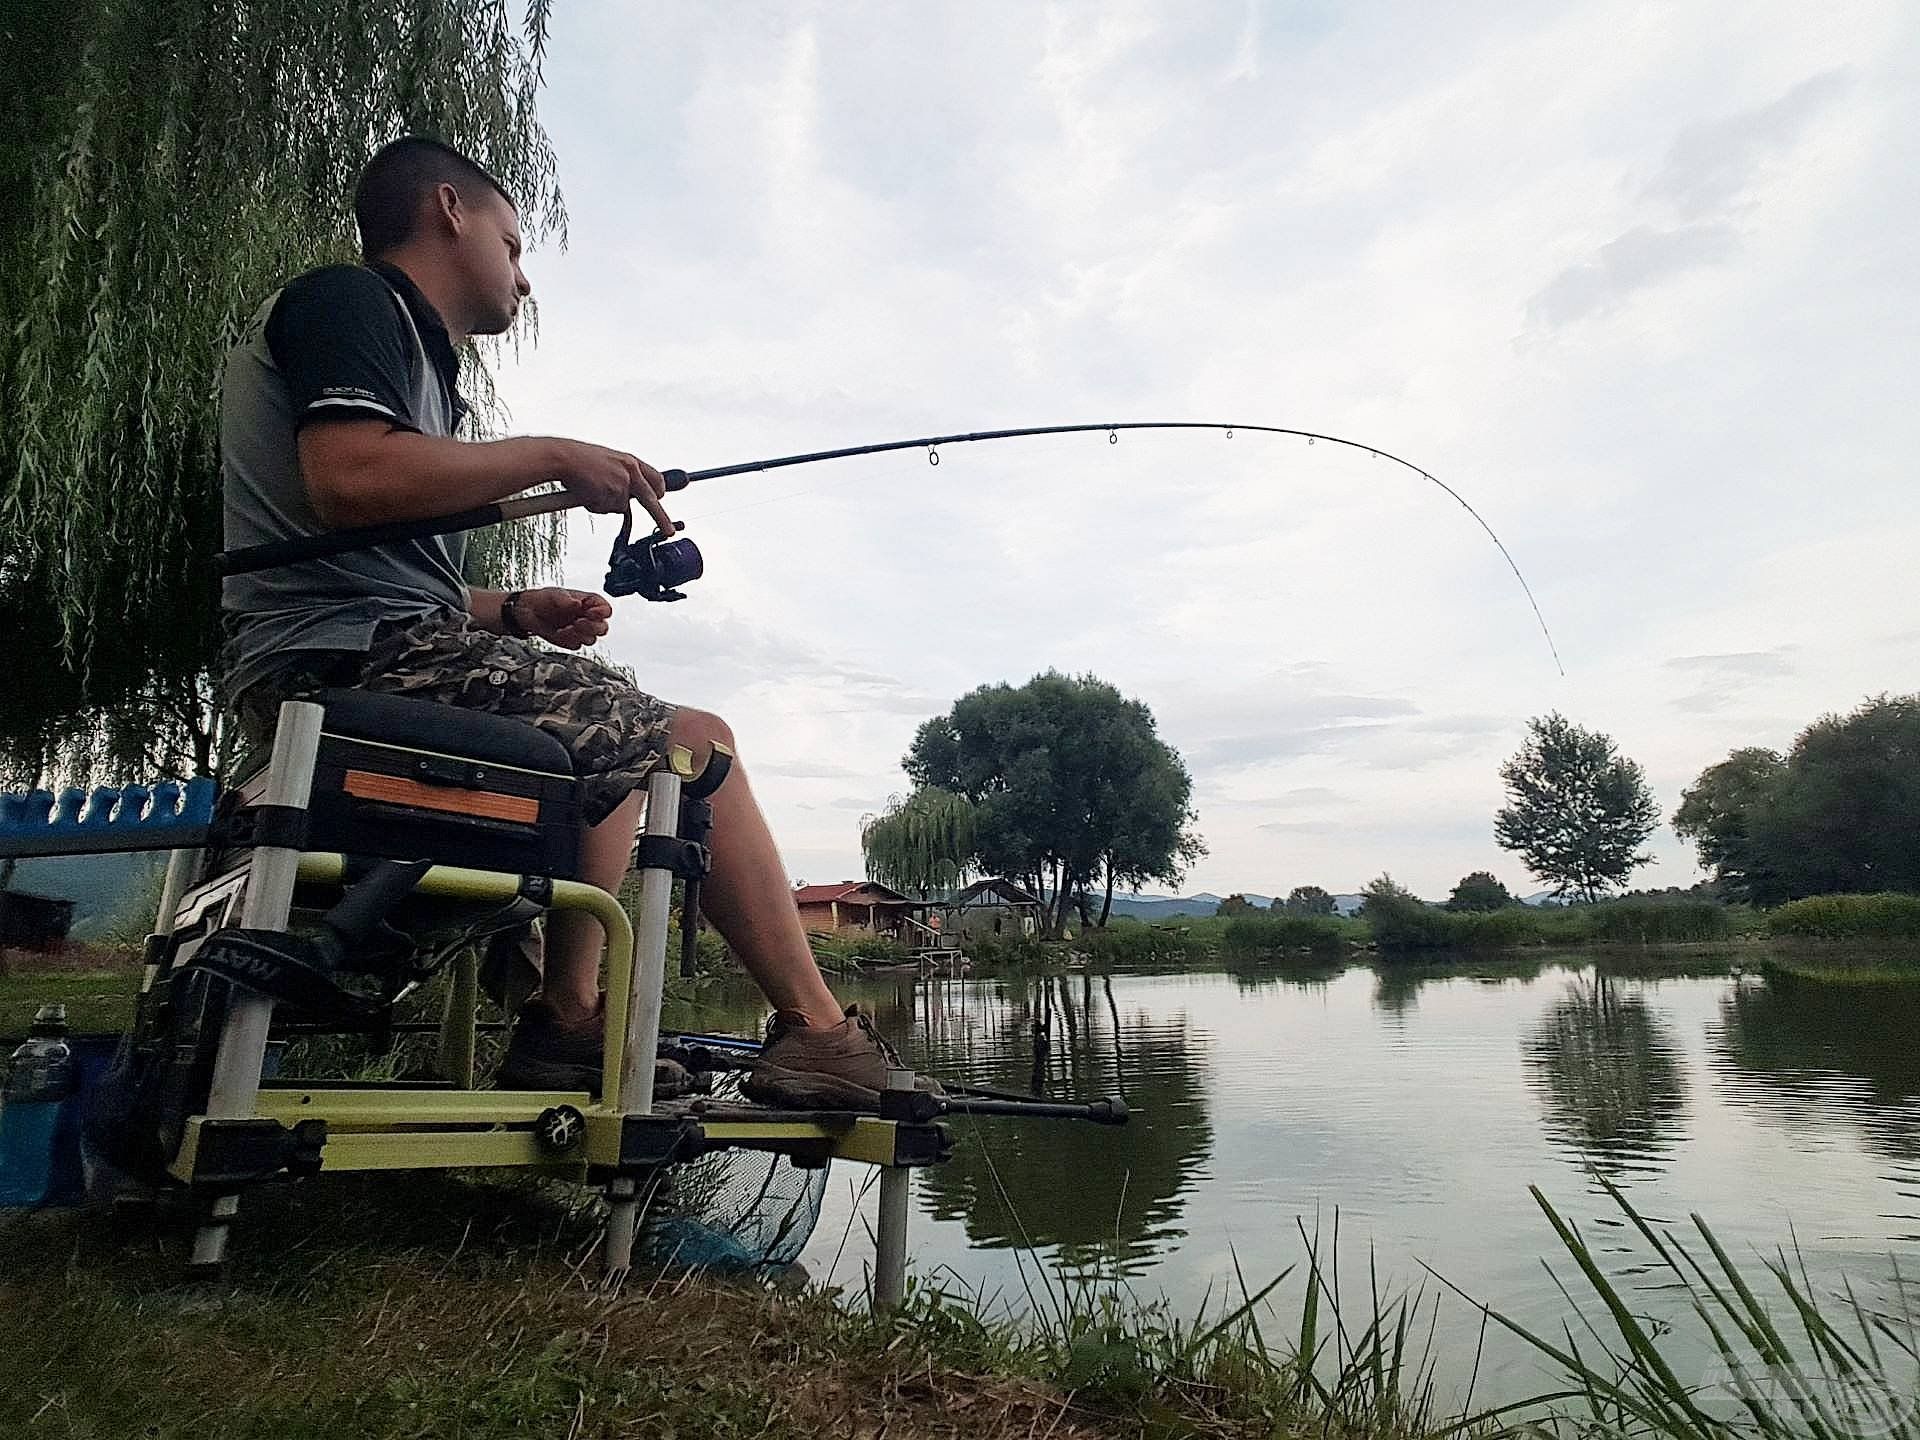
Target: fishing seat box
405	779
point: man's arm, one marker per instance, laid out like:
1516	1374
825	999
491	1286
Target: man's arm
484	606
368	472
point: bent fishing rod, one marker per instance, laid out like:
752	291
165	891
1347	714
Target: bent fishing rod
654	566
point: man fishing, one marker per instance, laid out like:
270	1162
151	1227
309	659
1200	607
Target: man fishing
339	407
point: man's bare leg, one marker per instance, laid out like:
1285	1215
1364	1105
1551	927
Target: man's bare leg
746	896
571	982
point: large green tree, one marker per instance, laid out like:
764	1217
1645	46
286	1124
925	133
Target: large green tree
1716	814
1306	900
165	167
1577	810
1841	811
1479	890
1070	783
923	844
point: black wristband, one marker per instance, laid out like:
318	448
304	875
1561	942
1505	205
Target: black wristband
510	614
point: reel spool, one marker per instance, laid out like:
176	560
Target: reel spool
652	567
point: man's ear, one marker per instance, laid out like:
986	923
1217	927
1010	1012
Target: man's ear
447	209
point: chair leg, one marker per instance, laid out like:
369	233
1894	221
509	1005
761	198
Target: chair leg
268	904
455	1061
640	1034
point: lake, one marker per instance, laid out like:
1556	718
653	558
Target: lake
1415	1103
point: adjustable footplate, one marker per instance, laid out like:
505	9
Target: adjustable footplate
632	1145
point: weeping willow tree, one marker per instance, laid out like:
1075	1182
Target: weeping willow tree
166	167
922	845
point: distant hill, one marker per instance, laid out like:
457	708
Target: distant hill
1203	906
100	886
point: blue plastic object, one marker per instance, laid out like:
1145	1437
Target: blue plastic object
131	817
40	1118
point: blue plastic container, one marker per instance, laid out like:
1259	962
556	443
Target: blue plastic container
40	1096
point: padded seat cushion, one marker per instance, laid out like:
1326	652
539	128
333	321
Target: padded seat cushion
444	729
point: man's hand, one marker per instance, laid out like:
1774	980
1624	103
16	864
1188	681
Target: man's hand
567	618
605	481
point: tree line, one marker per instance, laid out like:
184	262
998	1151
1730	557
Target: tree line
1838	813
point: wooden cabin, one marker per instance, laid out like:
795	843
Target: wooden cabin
994	908
860	907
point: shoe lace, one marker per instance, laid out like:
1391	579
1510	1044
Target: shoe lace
872	1032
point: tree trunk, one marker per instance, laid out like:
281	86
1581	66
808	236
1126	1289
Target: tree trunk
1106	905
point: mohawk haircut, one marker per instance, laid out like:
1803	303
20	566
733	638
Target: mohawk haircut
386	202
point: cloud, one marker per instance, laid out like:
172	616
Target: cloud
1283	742
1635	261
1711	165
1767	663
1704	180
1216	795
1729	675
806	770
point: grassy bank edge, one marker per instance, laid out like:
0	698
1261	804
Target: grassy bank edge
390	1307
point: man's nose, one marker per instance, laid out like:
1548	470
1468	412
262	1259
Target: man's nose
521	283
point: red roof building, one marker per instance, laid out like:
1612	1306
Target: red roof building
856	907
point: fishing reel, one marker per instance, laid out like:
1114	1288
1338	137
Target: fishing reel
652	566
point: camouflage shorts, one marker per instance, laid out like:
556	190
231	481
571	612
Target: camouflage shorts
615	733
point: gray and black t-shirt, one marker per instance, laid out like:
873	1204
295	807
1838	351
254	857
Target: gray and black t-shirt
344	342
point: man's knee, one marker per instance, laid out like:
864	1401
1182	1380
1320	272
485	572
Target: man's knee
700	731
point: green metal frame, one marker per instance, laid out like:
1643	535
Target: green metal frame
410	1128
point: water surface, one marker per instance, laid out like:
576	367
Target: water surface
1417	1104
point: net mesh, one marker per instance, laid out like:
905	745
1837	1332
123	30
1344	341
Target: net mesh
734	1211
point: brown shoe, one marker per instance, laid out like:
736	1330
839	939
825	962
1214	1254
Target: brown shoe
544	1054
837	1067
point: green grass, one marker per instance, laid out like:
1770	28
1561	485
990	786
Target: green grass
1410	925
846	953
98	1000
1849	917
1790	1361
1268	933
410	1306
1843	971
1393	928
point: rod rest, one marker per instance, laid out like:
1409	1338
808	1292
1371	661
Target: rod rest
164	816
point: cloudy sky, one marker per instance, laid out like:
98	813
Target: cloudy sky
1636	279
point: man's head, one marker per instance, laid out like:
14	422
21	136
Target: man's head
447	222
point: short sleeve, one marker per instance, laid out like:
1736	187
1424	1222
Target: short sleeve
338	337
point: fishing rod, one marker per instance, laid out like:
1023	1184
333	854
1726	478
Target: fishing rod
653	567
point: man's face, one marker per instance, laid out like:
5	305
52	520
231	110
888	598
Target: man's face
489	260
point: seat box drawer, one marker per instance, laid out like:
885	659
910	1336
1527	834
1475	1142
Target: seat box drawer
405	803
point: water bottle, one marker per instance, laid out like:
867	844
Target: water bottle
39	1163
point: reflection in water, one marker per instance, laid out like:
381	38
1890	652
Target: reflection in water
1608	1074
1094	1193
1815	1054
1397	983
1252	974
